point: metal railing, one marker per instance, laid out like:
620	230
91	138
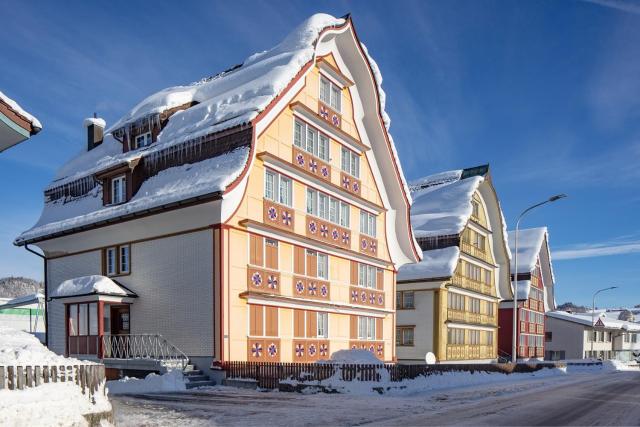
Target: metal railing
143	346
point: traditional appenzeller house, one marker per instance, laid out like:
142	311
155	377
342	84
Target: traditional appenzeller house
260	214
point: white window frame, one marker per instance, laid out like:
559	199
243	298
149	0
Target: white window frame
119	182
366	328
124	259
322	324
273	189
350	162
111	261
335	94
319	204
311	140
367	276
368	224
323	265
145	138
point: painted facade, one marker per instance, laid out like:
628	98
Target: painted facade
290	259
448	303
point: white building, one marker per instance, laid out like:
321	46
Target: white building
577	336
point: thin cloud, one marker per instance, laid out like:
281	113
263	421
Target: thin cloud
597	250
622	5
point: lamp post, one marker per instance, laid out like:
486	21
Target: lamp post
593	312
514	347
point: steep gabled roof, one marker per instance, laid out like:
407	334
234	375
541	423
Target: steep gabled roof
530	241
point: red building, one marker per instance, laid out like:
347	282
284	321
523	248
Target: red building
535	295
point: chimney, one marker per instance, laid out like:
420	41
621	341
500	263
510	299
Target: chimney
95	131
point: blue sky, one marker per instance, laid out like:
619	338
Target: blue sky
547	92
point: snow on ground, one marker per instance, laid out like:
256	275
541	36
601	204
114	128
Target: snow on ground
22	348
152	383
88	285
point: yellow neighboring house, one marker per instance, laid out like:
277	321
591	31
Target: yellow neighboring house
260	214
448	303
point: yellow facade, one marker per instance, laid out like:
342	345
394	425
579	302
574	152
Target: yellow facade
270	268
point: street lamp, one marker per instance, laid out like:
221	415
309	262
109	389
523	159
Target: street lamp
593	312
514	347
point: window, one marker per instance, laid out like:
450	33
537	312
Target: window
366	328
490	309
474	305
455	301
479	241
111	261
323	325
83	319
455	336
367	224
489	337
475	207
350	162
278	188
143	140
310	140
404	335
93	319
117	260
118	190
405	300
367	276
73	320
327	207
474	337
473	272
323	266
263	321
330	94
124	259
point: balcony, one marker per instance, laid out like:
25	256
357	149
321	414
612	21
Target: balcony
472	285
311	288
469	352
261	280
311	164
469	317
474	251
328	232
278	215
366	296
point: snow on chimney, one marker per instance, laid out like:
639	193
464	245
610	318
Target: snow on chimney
95	131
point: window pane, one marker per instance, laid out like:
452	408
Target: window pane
323	206
285	191
363	222
323	148
345	160
82	319
324	90
106	316
311	141
344	214
73	320
356	171
407	299
93	319
111	261
269	185
335	98
124	259
311	201
323	266
297	134
362	276
372	225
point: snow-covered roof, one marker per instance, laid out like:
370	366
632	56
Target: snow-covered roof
94	121
168	186
35	123
530	242
442	203
88	285
23	300
586	319
437	263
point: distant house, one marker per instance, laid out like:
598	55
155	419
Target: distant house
447	304
25	313
16	125
257	215
536	286
578	336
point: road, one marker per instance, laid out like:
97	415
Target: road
580	399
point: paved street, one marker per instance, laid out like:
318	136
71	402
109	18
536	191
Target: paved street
577	399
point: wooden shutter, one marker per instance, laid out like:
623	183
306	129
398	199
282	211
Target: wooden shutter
271	255
354	327
312	324
312	264
256	320
298	260
354	273
271	321
298	323
378	329
255	250
380	279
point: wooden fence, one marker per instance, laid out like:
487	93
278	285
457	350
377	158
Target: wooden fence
269	375
88	377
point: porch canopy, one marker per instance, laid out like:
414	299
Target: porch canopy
93	288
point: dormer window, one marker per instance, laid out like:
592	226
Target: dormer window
330	94
118	189
143	140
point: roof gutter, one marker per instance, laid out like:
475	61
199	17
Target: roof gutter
46	293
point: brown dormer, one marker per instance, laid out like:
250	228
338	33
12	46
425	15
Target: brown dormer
121	183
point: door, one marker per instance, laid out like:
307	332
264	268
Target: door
120	327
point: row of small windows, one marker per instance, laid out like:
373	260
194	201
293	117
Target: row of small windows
278	188
477	273
327	207
530	340
458	336
117	260
456	301
531	317
330	94
536	294
309	139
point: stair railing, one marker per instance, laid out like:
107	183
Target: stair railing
143	346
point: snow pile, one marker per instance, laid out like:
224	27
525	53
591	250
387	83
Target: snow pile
52	404
171	381
435	263
16	107
530	242
355	357
617	365
170	185
88	285
22	348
